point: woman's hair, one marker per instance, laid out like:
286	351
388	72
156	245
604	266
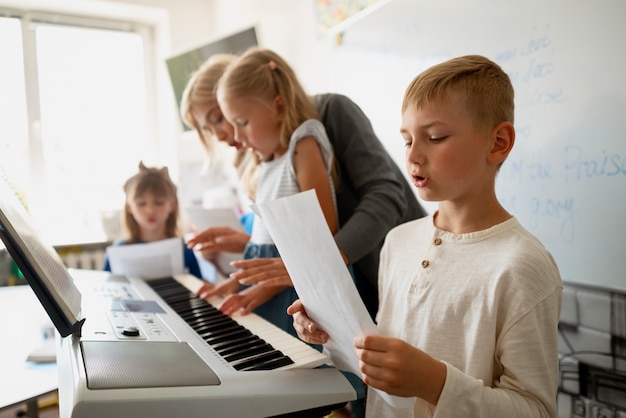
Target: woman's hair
157	181
200	90
261	74
485	89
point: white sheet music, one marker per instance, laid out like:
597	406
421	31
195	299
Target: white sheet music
147	260
321	278
41	256
203	218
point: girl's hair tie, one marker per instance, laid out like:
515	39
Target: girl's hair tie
272	64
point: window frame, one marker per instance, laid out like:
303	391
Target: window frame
151	24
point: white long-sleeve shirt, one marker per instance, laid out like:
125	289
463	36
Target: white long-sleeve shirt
485	303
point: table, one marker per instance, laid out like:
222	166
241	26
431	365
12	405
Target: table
22	319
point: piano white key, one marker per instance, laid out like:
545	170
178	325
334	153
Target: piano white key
303	355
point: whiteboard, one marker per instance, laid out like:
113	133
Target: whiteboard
566	178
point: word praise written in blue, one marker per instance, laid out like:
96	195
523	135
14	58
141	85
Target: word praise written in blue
607	164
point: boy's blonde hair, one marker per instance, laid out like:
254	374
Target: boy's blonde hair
484	87
261	74
200	90
157	181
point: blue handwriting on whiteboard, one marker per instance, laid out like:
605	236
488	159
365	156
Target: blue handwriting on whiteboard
544	96
527	168
578	166
537	42
554	210
538	69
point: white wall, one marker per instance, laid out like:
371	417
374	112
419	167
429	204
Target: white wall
286	26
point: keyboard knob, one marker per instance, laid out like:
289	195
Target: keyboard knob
131	331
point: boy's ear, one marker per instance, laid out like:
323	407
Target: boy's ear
504	138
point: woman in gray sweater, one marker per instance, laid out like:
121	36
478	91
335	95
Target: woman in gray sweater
373	195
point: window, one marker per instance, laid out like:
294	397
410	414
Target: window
13	122
76	117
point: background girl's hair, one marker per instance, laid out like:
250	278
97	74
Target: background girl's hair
261	74
157	181
200	90
486	89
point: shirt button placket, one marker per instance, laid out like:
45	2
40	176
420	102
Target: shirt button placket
436	242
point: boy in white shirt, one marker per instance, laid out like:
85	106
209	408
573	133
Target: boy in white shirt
469	300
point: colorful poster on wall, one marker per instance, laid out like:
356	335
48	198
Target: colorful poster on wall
331	13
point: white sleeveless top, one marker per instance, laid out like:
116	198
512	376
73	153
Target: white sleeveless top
277	178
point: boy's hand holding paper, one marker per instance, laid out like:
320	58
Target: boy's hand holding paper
320	277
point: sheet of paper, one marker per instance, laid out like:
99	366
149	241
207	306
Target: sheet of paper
147	260
203	218
19	230
320	277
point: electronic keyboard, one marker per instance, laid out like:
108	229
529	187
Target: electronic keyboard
238	340
152	348
129	348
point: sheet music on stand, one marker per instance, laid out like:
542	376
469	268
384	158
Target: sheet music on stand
203	218
39	262
147	260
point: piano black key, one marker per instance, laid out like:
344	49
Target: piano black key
187	299
162	283
259	348
166	287
255	361
217	329
235	343
202	320
194	312
182	306
212	338
271	364
178	297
